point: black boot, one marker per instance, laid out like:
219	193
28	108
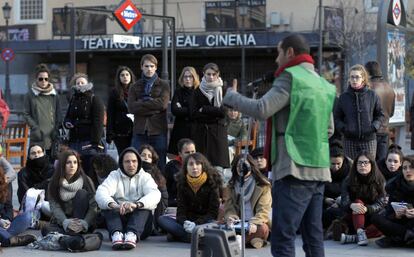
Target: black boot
21	240
72	243
409	237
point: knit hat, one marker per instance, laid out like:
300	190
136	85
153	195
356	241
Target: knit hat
336	149
257	152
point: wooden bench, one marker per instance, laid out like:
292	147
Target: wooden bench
14	139
251	144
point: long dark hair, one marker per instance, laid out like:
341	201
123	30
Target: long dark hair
368	187
150	148
59	174
118	85
255	172
4	187
152	167
212	173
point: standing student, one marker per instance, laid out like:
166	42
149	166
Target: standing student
299	107
148	101
120	121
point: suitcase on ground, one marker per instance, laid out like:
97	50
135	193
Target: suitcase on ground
210	240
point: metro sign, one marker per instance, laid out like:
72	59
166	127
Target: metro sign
127	14
396	11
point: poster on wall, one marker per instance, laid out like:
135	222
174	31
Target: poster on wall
396	71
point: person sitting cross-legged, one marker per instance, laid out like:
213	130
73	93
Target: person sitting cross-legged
127	197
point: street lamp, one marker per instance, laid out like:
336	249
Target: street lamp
6	14
243	12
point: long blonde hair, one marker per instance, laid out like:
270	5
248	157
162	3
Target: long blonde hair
193	73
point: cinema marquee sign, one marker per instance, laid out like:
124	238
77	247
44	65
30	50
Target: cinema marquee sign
182	41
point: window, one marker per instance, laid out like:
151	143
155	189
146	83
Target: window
225	15
372	5
30	11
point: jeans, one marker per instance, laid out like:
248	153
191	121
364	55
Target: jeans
382	146
159	142
18	225
131	222
171	226
297	205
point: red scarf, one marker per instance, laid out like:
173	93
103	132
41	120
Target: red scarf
268	143
179	159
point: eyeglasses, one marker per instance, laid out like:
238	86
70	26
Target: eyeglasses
187	77
363	163
355	77
40	79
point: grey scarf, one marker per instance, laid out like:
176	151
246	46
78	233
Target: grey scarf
213	90
68	191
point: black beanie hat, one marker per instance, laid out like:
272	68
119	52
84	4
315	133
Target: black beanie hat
257	152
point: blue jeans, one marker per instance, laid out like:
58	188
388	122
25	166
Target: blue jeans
131	222
159	142
297	205
171	226
18	225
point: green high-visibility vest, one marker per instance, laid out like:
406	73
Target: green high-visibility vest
311	103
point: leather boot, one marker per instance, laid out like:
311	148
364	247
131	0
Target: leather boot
21	240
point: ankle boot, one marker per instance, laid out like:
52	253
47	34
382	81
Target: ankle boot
409	236
21	240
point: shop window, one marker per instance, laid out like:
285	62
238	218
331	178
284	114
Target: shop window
30	11
87	23
225	15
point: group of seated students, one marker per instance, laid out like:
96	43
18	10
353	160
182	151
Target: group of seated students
367	199
132	199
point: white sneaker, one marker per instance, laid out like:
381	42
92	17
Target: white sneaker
117	240
362	237
130	241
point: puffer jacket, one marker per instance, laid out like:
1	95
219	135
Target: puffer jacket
358	114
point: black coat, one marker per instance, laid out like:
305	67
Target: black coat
399	190
86	113
382	166
171	171
358	114
118	124
183	117
201	207
210	131
333	189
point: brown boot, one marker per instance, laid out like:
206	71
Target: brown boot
21	240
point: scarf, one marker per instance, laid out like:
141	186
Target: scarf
48	90
67	191
148	83
83	88
196	183
249	185
213	91
179	159
268	139
36	166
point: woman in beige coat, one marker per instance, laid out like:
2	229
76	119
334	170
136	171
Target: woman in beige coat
257	202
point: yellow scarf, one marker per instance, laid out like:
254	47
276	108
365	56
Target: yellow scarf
196	183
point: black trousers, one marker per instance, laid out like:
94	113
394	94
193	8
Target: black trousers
391	226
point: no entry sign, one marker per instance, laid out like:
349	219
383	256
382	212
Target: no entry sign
127	14
7	54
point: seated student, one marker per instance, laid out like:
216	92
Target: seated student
127	197
102	164
261	162
149	159
340	167
392	164
7	167
36	174
185	147
71	196
257	199
11	228
198	198
236	129
363	194
398	224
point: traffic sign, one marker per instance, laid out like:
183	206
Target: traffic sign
127	14
7	54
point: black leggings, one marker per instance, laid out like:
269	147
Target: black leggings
391	226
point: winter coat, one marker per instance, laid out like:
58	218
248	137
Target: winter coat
358	114
118	124
86	113
118	188
43	115
149	115
171	171
237	129
261	202
210	131
382	166
201	207
64	210
183	117
386	95
399	190
333	189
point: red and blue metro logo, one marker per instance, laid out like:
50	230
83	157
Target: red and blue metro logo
127	14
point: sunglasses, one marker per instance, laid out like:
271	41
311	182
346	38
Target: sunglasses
41	79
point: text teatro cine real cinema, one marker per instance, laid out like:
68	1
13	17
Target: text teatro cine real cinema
213	40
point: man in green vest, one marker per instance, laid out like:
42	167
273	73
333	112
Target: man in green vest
298	109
